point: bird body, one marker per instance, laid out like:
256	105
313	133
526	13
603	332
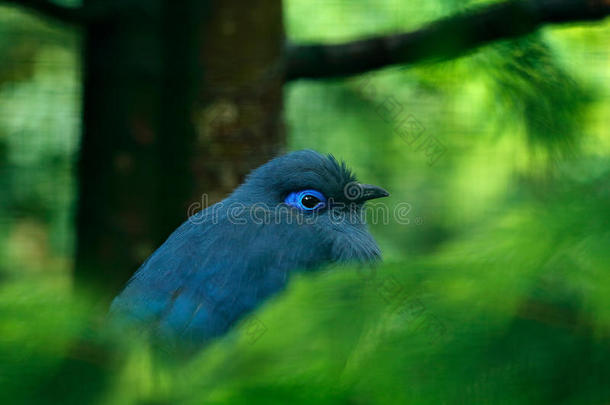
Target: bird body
291	214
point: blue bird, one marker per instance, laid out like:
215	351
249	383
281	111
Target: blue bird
297	212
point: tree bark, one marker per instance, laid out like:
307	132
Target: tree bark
239	120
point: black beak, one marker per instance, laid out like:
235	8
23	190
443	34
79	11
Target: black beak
357	192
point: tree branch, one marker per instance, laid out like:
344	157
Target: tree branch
90	13
440	40
70	15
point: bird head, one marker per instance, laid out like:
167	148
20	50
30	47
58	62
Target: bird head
321	193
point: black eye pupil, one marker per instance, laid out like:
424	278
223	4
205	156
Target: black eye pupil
309	201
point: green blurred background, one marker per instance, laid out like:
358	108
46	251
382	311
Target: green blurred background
496	290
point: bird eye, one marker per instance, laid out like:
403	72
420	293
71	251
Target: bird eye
306	200
310	201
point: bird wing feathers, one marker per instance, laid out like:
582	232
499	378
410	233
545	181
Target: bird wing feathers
212	271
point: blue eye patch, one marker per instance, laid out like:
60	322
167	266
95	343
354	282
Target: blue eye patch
306	200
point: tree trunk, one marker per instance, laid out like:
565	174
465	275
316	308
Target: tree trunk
179	100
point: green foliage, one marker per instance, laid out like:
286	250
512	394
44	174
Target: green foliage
523	319
495	285
39	124
535	90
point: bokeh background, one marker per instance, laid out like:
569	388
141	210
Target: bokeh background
495	289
